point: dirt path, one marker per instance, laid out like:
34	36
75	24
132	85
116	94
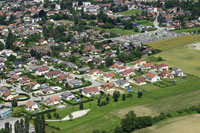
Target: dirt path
76	114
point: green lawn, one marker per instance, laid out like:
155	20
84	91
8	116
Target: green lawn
144	22
188	30
174	42
115	30
155	99
130	12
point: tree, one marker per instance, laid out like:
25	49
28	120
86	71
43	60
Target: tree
140	94
39	124
48	115
8	128
42	13
70	116
11	58
81	106
98	101
109	61
10	39
123	97
118	130
107	99
26	129
14	103
1	46
116	95
129	123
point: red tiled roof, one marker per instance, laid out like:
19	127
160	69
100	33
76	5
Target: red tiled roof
150	75
91	89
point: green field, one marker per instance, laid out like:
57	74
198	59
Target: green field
130	12
144	22
195	29
184	124
174	42
115	30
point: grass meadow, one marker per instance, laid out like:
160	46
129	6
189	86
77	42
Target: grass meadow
130	12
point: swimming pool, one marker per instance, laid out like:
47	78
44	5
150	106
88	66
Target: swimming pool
61	106
77	100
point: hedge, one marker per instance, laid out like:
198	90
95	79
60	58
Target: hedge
67	101
47	106
27	97
42	112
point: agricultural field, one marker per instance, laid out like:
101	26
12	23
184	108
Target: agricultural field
195	29
155	100
174	42
184	124
176	54
184	58
130	12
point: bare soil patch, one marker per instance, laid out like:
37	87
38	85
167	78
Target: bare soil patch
138	110
195	46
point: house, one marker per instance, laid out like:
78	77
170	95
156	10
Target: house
166	74
90	91
2	67
139	63
53	100
42	70
109	76
178	72
8	96
94	73
122	83
74	83
14	77
139	81
2	62
5	112
120	69
84	70
32	106
150	77
18	64
128	72
108	86
68	95
162	67
34	85
148	66
48	91
24	81
52	74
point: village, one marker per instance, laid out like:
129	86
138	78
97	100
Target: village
57	55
